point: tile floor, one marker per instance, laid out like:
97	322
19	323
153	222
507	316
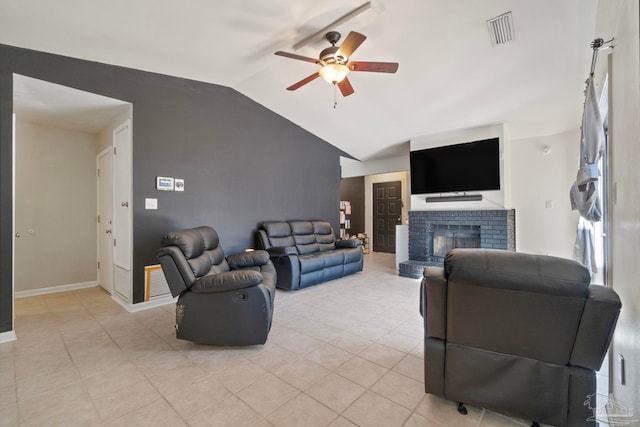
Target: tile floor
343	353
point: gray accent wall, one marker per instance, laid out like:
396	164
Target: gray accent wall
242	163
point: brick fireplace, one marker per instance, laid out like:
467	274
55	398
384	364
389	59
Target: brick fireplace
433	233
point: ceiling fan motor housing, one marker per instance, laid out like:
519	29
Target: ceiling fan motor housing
330	55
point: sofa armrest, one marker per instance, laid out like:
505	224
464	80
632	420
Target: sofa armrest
276	251
599	318
227	281
348	243
248	259
433	305
176	269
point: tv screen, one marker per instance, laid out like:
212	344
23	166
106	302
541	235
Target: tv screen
473	166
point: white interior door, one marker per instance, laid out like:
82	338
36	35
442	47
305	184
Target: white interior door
105	219
122	196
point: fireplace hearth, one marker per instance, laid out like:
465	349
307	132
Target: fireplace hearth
434	233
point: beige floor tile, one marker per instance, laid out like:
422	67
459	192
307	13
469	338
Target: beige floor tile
116	404
399	342
8	395
241	375
328	356
156	414
179	377
445	412
302	411
400	389
351	342
300	372
41	360
382	355
368	331
300	343
342	422
214	360
263	422
417	420
273	357
35	385
122	375
335	392
412	367
491	419
9	415
66	406
229	412
267	394
361	371
197	397
373	410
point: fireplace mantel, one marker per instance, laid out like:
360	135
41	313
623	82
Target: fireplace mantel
497	231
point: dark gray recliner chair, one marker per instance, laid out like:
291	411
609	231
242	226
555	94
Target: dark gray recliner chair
516	333
223	300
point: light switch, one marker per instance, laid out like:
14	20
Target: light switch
151	203
548	204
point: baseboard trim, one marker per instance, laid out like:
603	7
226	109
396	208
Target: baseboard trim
54	289
7	336
141	306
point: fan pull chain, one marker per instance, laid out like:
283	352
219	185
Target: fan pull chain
335	95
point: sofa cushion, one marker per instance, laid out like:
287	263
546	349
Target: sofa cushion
304	237
332	258
324	235
279	233
309	263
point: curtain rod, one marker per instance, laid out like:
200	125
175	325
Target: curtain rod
597	45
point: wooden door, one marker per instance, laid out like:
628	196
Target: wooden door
387	213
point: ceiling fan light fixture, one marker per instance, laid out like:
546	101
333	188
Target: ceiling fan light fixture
334	73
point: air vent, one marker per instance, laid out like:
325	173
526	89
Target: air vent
501	29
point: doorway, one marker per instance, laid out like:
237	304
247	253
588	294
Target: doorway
53	117
387	213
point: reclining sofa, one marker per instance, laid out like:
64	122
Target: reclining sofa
516	333
222	300
306	253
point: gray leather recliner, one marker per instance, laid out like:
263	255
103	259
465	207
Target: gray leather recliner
222	300
516	333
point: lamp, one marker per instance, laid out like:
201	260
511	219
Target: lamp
334	73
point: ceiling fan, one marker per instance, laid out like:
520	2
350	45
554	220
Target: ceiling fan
336	64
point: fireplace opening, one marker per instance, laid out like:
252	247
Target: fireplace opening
444	237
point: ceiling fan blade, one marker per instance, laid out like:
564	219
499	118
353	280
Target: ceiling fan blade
299	57
376	67
304	81
351	43
345	87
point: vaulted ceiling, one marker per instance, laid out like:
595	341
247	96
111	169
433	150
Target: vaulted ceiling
450	75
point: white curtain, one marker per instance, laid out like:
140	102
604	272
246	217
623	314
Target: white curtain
584	194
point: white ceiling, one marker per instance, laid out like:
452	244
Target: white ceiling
450	76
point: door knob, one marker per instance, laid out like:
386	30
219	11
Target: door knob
17	234
108	231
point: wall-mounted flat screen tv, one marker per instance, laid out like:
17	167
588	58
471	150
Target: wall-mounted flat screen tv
473	166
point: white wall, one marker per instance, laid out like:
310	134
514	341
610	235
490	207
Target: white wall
55	207
621	19
545	223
